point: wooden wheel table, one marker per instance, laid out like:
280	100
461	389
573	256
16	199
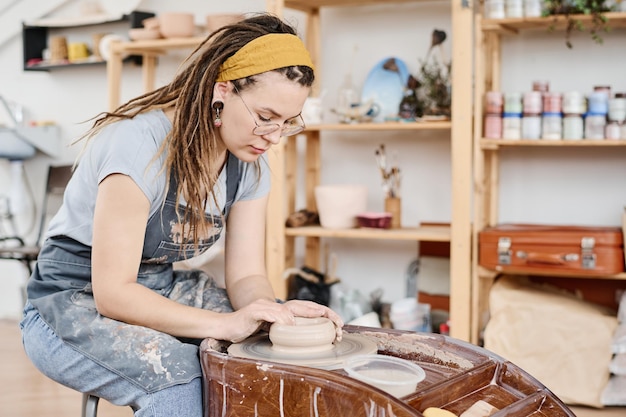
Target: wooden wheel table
458	375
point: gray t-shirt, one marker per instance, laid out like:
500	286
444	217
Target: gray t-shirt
128	147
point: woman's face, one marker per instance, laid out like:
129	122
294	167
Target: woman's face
273	99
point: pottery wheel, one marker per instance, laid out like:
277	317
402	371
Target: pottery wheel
260	347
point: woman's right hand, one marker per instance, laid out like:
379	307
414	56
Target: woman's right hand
249	319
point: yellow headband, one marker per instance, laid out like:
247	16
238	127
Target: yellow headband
265	53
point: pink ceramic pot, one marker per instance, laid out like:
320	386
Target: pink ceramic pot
177	25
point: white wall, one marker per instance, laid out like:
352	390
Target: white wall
564	186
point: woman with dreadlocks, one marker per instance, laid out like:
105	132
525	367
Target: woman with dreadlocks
159	179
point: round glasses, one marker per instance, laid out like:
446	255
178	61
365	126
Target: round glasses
290	127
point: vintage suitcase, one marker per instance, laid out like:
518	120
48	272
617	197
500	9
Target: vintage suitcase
545	249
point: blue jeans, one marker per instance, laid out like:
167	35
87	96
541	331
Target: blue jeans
67	366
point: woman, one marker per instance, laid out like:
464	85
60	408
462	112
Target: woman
107	314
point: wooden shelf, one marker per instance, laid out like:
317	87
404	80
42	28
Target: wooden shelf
148	50
495	144
423	233
155	46
430	125
309	5
558	22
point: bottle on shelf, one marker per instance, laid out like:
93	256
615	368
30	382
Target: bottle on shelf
347	99
493	114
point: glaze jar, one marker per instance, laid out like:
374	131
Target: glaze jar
493	126
494	9
617	109
531	126
552	102
541	85
612	130
532	8
493	102
573	127
594	126
552	126
532	102
514	8
598	102
574	102
513	103
512	126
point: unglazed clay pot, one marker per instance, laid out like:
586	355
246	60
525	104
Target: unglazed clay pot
216	21
305	336
177	25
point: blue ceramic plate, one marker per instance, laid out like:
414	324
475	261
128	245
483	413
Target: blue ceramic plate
385	85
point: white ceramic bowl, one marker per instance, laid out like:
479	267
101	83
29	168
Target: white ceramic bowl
399	377
307	335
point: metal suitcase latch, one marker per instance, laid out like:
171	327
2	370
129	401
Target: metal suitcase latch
587	245
504	251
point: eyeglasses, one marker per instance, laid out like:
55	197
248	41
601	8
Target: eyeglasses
290	127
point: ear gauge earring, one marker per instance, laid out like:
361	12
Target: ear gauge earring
217	106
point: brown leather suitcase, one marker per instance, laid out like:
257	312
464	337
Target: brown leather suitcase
545	249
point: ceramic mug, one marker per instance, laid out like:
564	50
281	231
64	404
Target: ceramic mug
77	50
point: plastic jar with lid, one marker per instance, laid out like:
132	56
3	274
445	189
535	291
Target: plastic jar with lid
612	130
531	126
552	126
552	102
513	103
514	8
494	9
598	102
606	89
512	126
533	8
595	124
493	126
573	127
532	102
493	102
617	109
542	86
574	102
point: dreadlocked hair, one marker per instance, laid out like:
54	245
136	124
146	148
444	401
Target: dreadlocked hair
192	143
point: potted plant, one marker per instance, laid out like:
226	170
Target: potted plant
571	8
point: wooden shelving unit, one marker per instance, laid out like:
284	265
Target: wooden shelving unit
149	50
281	240
489	33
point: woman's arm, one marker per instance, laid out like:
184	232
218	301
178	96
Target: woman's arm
246	277
120	219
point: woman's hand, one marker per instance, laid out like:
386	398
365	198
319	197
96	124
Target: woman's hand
302	308
249	319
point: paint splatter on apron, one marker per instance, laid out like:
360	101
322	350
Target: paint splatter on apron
60	289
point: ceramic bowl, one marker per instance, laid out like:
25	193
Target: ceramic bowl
374	220
216	21
396	376
177	25
305	336
151	23
338	204
139	34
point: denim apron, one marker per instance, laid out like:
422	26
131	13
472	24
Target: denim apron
60	289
